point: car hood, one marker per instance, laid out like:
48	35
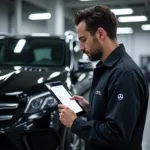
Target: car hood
17	81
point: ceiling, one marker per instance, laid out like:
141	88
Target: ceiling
140	7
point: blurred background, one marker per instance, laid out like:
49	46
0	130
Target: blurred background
55	17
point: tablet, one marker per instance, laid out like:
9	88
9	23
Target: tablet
61	94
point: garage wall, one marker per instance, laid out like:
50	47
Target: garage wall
29	26
136	44
69	25
7	19
3	17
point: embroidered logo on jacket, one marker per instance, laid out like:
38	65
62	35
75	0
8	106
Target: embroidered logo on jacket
120	96
98	93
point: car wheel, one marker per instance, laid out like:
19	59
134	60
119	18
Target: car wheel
73	141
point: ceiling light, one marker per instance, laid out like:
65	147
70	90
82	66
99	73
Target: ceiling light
124	30
85	0
19	46
40	34
40	16
132	19
124	11
145	27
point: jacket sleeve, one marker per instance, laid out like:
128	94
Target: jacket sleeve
124	94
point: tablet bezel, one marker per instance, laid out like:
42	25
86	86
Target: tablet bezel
57	83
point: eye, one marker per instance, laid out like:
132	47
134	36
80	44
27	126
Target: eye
83	40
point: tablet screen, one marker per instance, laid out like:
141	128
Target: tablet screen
62	94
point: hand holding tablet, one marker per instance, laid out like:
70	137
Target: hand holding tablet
63	96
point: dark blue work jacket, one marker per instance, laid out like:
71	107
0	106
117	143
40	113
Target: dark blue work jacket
117	106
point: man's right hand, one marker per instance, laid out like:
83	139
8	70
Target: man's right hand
81	101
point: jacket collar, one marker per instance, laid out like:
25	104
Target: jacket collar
113	57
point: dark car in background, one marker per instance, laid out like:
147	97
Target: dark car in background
28	113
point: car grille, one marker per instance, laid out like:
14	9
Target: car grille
7	110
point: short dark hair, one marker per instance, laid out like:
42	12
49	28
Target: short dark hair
98	16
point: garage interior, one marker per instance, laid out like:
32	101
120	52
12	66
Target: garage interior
19	17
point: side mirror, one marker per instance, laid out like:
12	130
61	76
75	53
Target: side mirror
84	65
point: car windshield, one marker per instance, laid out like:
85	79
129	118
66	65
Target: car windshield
32	51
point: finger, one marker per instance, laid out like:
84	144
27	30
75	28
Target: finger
61	106
60	117
61	120
72	98
62	110
76	97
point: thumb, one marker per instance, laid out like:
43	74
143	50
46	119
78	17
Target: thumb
72	98
76	97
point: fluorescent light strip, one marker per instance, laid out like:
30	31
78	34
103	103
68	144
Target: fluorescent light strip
19	46
124	30
123	11
40	34
85	0
145	27
40	16
132	19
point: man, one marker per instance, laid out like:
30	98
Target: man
118	102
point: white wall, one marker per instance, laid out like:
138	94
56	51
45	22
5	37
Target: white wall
136	44
69	25
29	26
8	23
3	17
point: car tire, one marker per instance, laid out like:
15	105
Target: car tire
73	141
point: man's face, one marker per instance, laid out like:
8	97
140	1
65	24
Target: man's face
89	44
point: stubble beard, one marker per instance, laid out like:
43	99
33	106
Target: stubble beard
96	52
95	57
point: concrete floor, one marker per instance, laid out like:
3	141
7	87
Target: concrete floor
146	136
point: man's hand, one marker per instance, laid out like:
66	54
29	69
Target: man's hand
66	115
81	101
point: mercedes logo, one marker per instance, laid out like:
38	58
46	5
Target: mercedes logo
120	96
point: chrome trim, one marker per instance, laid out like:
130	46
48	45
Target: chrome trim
5	117
8	105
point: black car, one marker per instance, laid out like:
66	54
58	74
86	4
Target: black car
28	112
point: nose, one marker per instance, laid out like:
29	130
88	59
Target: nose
82	48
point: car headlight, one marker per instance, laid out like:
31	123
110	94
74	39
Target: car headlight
40	102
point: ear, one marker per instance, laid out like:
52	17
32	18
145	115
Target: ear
101	33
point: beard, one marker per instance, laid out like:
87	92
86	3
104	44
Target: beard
95	56
96	51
